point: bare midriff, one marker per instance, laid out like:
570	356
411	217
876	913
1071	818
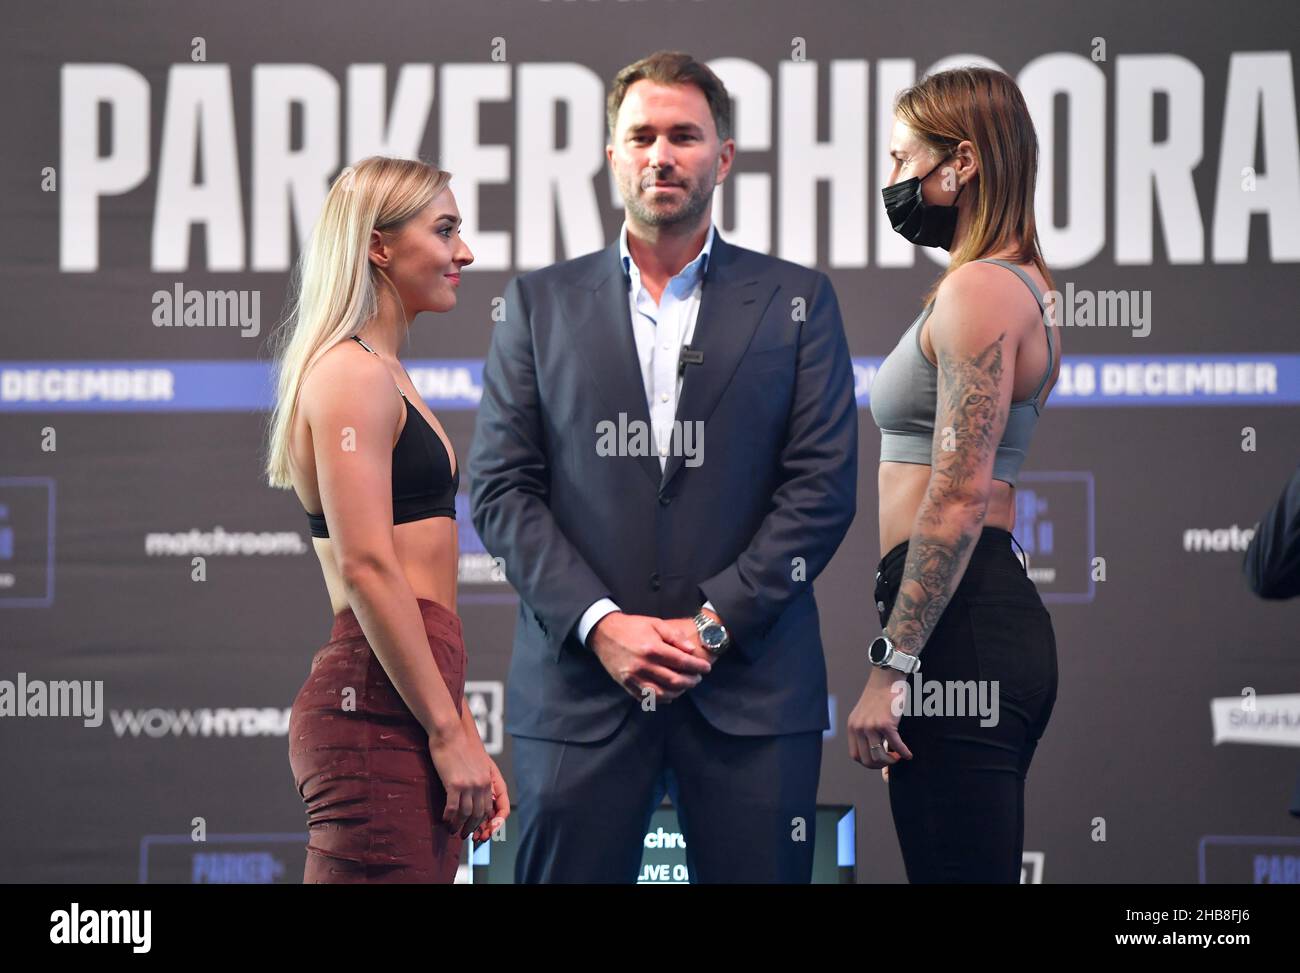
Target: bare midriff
428	552
902	487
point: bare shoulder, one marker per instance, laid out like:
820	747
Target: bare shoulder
972	286
348	380
979	302
970	309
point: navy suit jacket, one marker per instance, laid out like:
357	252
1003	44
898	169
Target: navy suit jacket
749	528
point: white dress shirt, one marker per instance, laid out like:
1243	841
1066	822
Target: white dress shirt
660	330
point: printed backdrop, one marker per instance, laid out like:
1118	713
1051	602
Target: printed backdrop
163	163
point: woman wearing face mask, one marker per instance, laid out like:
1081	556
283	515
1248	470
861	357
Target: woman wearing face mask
383	751
956	402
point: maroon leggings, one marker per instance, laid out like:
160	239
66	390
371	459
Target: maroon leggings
361	762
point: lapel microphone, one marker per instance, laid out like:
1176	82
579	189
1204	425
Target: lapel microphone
689	356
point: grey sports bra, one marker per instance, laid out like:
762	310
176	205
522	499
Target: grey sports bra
906	387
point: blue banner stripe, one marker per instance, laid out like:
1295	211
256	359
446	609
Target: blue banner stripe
456	383
1092	381
195	386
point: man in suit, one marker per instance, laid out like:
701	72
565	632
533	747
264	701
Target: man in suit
1272	560
667	639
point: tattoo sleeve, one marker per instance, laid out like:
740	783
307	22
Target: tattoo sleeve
969	420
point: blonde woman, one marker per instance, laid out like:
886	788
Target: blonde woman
384	754
956	402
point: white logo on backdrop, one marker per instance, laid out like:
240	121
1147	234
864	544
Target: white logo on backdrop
1268	720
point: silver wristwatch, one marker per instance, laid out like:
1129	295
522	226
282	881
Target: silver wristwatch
713	635
883	654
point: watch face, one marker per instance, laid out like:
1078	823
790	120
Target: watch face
711	636
878	653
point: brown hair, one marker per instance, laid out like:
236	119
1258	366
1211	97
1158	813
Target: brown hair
986	108
672	67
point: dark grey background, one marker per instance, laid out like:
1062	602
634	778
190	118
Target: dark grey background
1130	740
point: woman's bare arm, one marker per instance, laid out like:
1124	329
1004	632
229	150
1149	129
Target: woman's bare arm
976	359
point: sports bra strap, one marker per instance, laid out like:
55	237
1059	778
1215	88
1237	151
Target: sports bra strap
1019	272
1029	282
357	339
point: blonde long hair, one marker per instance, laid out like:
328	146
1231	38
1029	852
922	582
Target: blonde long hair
986	108
334	281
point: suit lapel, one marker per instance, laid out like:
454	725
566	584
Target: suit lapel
731	303
607	346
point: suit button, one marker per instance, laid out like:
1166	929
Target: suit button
880	606
654	581
665	501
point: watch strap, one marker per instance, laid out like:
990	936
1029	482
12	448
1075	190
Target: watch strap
701	620
898	660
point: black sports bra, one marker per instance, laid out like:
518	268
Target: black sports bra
424	485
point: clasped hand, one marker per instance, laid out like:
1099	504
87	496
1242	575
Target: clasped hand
644	654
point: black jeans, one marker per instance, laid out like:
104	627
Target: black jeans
959	804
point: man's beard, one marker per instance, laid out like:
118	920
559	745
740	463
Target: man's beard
694	202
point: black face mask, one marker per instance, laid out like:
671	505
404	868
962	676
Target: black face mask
920	222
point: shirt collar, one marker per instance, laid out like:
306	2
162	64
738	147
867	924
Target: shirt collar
693	271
